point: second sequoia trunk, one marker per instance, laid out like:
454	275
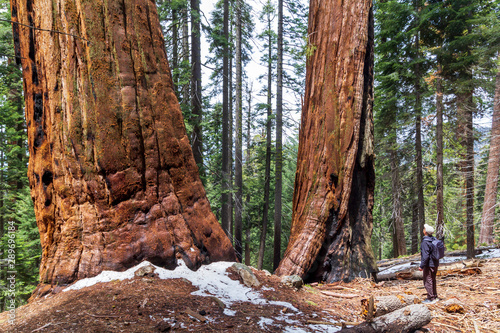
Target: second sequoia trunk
333	198
111	169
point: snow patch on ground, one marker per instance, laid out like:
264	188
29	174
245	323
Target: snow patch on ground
212	280
106	276
263	322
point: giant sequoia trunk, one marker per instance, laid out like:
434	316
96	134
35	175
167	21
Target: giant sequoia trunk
333	199
111	170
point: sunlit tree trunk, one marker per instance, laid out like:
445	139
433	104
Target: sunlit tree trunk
439	157
278	186
490	195
196	102
334	184
267	174
466	134
111	169
418	140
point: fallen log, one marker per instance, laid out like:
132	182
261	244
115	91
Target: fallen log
404	320
397	261
386	304
387	263
418	275
405	275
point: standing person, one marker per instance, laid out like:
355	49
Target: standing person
429	264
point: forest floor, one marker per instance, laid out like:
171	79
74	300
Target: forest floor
151	304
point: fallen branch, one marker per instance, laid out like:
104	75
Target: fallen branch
103	316
344	323
449	326
329	293
41	328
195	315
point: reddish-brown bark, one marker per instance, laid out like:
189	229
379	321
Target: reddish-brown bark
333	198
490	195
111	170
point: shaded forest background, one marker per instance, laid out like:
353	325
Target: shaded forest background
433	60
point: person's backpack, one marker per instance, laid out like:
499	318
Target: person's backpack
438	249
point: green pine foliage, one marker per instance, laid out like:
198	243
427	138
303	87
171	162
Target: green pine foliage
463	37
20	248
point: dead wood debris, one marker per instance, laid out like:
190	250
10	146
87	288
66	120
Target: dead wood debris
477	294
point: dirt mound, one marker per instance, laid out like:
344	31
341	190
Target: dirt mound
150	304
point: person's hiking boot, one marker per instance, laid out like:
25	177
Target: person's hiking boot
431	301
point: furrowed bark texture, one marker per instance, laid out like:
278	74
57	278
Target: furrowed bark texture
111	170
333	198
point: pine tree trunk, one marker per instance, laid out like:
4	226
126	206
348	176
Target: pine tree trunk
238	163
490	195
197	136
399	242
185	52
439	158
466	132
415	229
111	169
248	167
279	144
225	197
334	184
175	51
230	139
418	141
267	175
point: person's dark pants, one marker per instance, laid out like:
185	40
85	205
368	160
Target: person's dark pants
430	282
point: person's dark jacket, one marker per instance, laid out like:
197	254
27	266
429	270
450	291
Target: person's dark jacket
425	253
